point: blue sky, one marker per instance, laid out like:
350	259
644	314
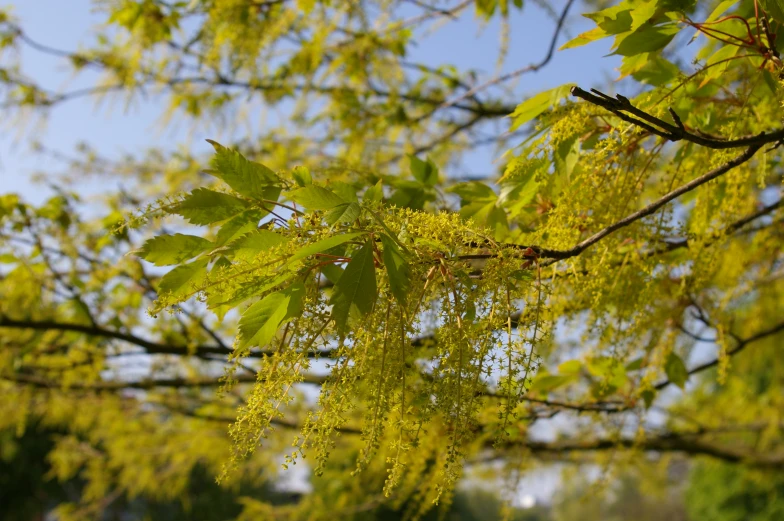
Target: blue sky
113	129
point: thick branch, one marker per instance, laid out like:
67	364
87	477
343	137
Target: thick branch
153	383
671	442
150	347
665	443
620	105
687	443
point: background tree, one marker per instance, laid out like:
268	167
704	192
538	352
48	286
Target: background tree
325	292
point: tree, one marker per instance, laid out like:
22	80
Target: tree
392	324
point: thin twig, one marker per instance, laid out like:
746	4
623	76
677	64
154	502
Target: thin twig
510	75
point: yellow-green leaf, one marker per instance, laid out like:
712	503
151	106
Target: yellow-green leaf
544	382
426	172
534	106
256	242
597	33
165	250
204	206
315	197
260	322
374	193
238	226
246	177
324	245
183	279
344	213
355	292
398	271
775	8
648	38
676	370
302	176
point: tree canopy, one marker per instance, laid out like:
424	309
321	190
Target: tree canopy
323	292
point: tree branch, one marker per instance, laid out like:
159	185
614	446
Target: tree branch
741	345
150	347
666	443
221	80
669	442
152	383
733	227
651	208
519	72
620	104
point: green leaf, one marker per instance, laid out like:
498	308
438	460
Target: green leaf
718	63
676	370
610	373
398	270
315	198
649	38
485	213
634	365
614	20
165	250
721	8
411	197
606	367
770	83
260	322
302	176
332	272
271	193
324	245
570	367
248	290
426	172
775	8
566	155
182	279
648	396
246	177
632	64
680	6
238	226
374	193
544	382
254	243
522	275
522	168
345	191
597	33
643	12
473	191
355	293
655	70
344	213
533	107
204	206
